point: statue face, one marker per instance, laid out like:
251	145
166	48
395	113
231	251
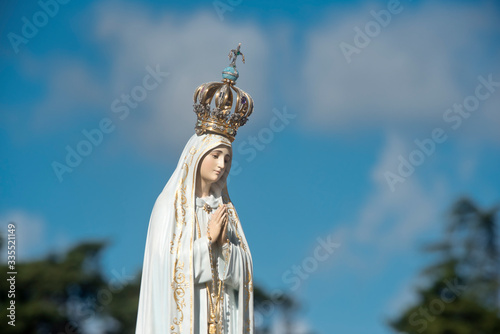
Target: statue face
215	163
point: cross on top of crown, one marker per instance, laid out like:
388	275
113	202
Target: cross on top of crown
234	53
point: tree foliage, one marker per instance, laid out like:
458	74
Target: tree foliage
463	291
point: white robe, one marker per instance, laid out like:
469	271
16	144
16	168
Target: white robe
203	272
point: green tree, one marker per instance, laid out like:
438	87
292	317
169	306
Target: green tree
463	291
267	307
52	295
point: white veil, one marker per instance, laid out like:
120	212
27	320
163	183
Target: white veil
166	295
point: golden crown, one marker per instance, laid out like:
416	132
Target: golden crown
220	119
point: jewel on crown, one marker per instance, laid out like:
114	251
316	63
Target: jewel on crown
222	119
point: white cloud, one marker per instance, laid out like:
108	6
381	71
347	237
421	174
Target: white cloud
33	240
73	92
404	297
294	325
30	238
427	58
409	210
390	223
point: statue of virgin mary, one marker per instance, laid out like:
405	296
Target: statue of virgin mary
197	273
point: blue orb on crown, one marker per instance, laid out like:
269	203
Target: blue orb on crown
230	73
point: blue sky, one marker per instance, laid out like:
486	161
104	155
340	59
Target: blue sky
357	103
